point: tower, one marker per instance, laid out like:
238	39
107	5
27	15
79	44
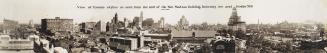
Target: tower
183	23
125	23
115	19
235	23
234	18
31	24
162	22
141	19
100	26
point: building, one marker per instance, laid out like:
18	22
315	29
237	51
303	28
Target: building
100	26
235	22
9	25
31	24
87	27
325	37
192	36
115	19
57	25
43	46
126	23
183	23
141	19
137	21
221	44
9	45
160	23
159	36
114	24
125	44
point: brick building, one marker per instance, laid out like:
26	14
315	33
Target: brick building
57	25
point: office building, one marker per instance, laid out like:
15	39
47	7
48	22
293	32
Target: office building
235	22
57	25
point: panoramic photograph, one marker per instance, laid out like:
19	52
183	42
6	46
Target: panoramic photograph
163	26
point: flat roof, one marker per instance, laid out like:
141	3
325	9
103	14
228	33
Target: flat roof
183	33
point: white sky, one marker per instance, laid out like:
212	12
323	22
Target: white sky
268	11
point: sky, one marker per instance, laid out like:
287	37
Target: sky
266	11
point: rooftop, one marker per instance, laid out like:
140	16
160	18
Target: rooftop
183	33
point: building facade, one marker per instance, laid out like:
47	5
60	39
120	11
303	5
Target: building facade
87	27
123	43
137	21
161	22
100	26
57	25
235	22
183	23
9	25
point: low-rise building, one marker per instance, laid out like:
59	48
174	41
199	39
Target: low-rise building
9	45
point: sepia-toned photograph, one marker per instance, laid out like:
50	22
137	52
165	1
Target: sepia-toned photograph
163	26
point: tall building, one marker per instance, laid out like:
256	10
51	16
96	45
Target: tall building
162	22
100	26
115	19
113	25
141	19
137	21
87	27
183	23
108	28
235	22
126	23
57	25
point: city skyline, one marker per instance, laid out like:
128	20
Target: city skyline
163	26
266	12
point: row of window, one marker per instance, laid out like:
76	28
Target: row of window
120	41
20	42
